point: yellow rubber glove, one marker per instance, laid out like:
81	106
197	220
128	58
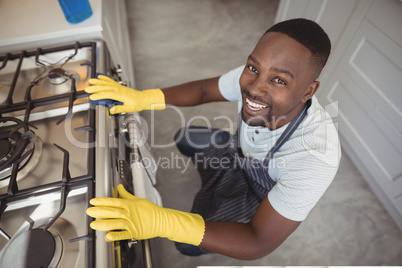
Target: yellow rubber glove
131	217
133	100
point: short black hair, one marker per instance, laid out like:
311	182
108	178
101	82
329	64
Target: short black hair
309	34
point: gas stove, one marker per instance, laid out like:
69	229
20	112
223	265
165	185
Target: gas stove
57	151
46	171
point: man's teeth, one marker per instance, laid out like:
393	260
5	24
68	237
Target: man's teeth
255	106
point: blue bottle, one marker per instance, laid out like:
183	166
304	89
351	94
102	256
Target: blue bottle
76	10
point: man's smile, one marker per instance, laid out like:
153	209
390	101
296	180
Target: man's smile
255	106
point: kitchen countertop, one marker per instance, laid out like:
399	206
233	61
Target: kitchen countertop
27	23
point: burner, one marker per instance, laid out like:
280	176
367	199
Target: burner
27	165
14	144
5	148
37	247
57	81
33	248
57	76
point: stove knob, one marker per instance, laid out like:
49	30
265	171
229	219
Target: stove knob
124	83
131	242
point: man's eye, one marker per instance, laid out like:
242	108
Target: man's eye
251	68
279	81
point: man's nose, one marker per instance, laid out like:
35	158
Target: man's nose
258	87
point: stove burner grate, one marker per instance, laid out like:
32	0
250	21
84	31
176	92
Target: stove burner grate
11	102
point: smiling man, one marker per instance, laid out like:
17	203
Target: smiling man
257	185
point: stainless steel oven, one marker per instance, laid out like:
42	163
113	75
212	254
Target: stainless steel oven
57	151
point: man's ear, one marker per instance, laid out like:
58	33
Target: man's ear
312	89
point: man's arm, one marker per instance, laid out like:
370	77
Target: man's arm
262	235
131	217
193	93
189	94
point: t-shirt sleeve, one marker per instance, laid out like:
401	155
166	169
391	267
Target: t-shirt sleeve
307	173
295	195
229	85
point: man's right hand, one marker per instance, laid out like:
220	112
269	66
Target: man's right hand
131	217
133	100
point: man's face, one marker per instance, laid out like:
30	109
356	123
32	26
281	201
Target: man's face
277	81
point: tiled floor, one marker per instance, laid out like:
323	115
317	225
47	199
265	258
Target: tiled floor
177	41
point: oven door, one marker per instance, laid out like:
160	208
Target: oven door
120	154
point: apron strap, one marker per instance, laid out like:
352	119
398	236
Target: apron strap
289	130
235	143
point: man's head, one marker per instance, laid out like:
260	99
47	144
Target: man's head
281	72
309	34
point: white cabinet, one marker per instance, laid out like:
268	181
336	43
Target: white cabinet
364	77
116	35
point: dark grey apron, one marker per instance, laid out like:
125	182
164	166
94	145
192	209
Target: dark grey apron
233	186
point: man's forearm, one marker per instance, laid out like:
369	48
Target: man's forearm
193	93
263	234
236	240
